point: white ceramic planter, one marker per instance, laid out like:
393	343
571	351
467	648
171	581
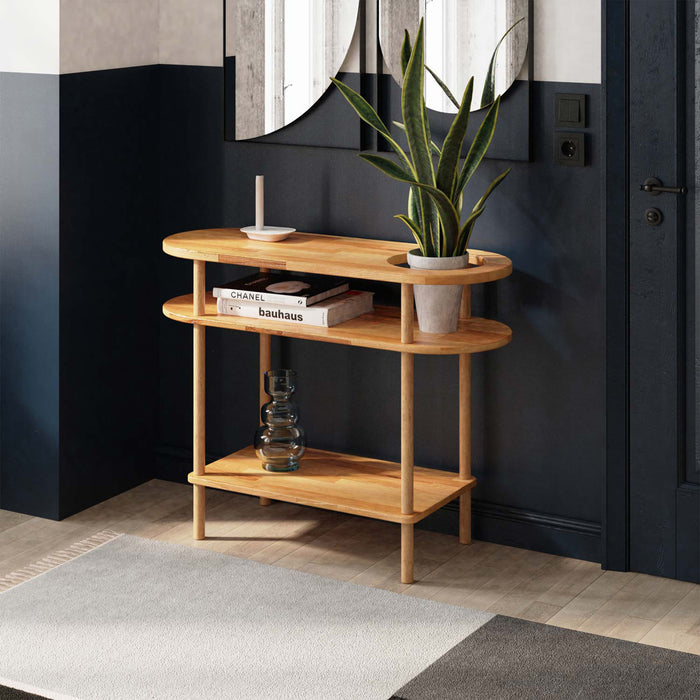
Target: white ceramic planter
437	305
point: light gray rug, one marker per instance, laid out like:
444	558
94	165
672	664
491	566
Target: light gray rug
136	619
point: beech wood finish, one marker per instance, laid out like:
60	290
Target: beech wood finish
362	486
380	329
372	488
407	484
361	258
199	421
465	446
265	364
465	427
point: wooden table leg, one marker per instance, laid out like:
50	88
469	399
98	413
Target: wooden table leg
198	428
265	364
407	553
407	365
406	465
465	446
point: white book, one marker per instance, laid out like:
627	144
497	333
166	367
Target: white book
328	313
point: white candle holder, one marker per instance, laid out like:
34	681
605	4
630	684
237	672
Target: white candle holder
260	232
268	233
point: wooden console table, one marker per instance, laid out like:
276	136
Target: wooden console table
400	493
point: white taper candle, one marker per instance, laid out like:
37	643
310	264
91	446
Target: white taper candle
259	202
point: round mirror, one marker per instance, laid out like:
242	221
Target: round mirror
285	51
486	39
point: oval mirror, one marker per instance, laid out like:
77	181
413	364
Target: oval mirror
285	51
462	39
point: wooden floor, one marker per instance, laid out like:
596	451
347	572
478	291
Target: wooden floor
530	585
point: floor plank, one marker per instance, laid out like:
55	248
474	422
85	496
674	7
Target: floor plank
486	576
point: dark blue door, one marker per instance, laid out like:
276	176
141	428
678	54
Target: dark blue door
663	257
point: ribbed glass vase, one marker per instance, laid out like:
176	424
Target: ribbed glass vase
280	441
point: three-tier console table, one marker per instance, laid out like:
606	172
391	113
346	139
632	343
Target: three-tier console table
400	493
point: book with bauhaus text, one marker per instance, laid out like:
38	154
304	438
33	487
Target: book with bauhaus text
328	313
285	289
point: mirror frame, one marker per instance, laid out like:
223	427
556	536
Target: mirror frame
391	34
331	123
328	123
512	138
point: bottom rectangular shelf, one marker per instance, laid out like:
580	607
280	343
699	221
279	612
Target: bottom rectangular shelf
334	481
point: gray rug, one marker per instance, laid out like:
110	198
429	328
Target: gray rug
515	659
142	619
136	619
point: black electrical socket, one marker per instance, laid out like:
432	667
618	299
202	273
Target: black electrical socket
570	149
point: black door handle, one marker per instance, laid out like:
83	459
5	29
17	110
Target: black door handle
653	185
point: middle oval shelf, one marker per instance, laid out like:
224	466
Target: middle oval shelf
380	329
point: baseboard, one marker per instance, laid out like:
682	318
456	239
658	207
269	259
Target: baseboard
491	522
517	527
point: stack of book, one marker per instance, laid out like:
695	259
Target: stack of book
313	300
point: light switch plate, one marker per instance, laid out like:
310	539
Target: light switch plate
570	110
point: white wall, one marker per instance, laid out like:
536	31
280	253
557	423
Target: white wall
190	32
29	36
102	34
567	41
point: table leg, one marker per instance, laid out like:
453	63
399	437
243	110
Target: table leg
198	428
465	446
265	364
406	552
407	365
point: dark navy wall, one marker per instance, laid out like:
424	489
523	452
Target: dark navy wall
109	300
29	292
142	155
538	404
79	314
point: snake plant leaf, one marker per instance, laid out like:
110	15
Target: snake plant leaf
490	81
434	148
363	108
413	111
432	216
405	51
368	115
448	166
388	167
466	232
490	189
414	119
415	214
446	230
448	216
417	134
414	204
415	230
444	87
479	146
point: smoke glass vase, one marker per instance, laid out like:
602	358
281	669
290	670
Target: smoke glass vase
280	441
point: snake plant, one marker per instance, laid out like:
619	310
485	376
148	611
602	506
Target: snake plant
490	81
436	193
